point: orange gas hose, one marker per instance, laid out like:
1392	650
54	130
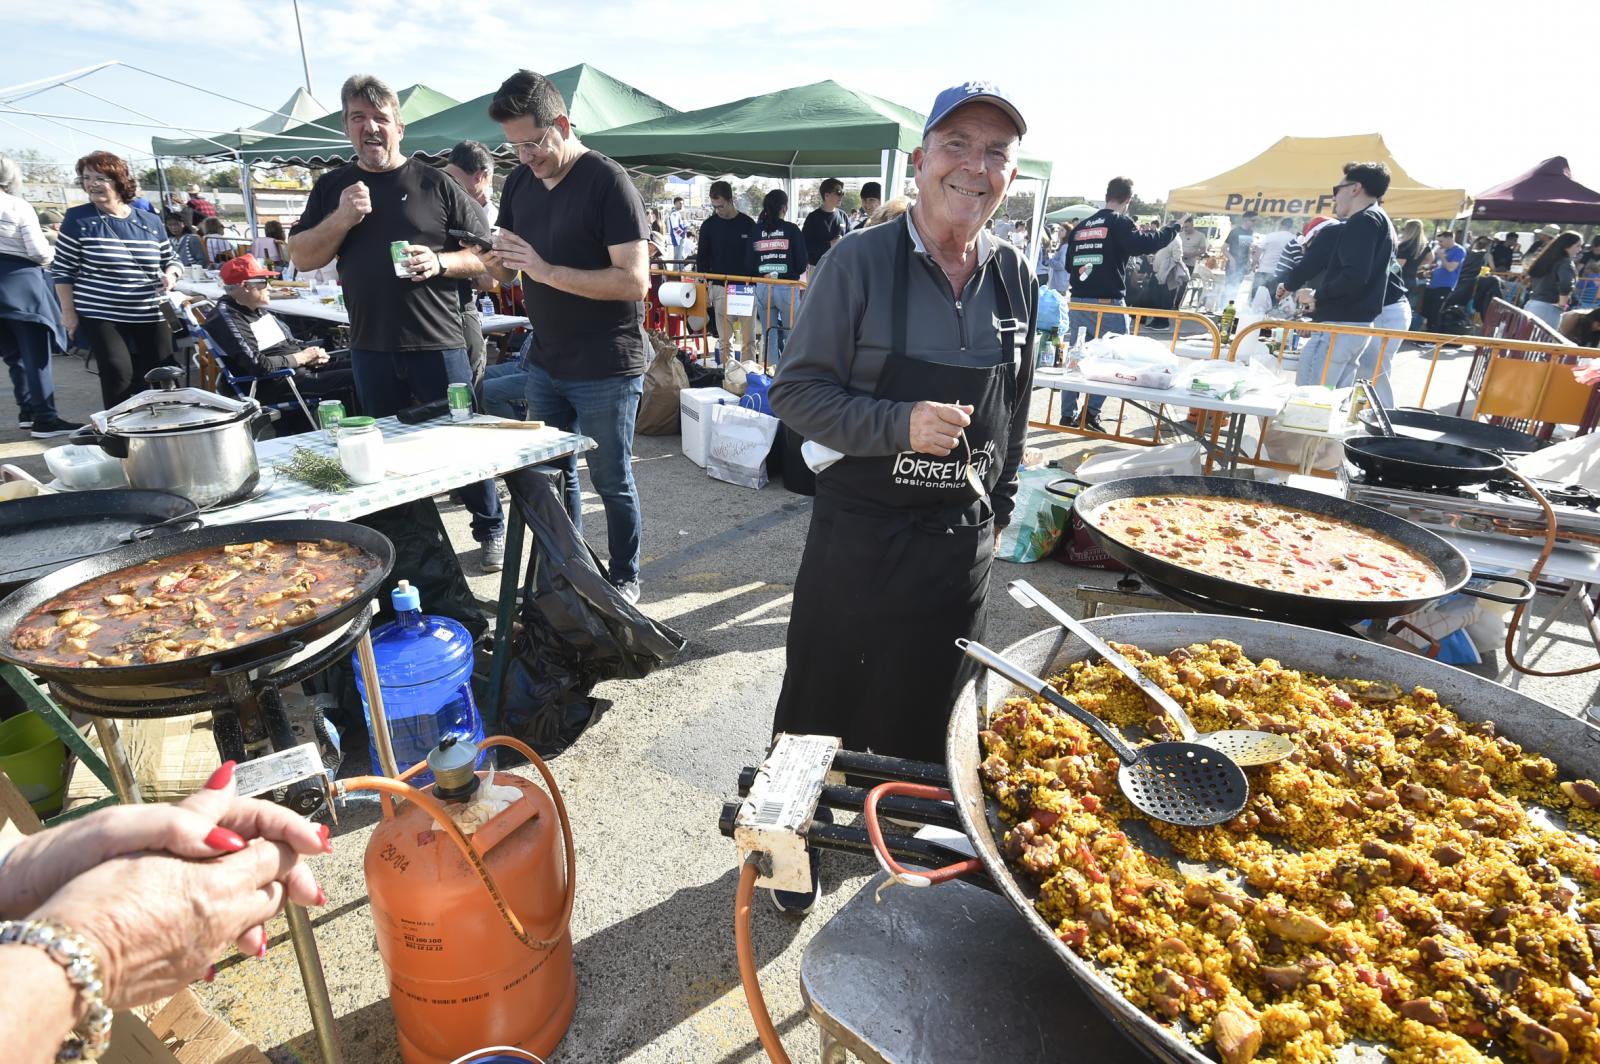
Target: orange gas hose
397	788
747	966
1533	578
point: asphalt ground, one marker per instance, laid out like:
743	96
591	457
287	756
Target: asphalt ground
652	928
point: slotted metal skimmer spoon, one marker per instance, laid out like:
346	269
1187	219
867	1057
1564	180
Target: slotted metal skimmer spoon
1243	746
1181	783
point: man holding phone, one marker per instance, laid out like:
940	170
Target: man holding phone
407	341
573	225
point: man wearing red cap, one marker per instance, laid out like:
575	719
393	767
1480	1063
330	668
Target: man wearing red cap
255	343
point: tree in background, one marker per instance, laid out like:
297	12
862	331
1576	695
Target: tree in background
1019	206
36	166
179	177
749	198
1141	207
652	189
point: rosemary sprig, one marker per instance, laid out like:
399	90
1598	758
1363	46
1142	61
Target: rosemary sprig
318	470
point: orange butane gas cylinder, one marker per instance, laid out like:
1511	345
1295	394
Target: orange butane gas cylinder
459	977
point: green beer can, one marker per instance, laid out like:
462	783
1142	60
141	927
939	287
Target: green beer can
402	261
330	412
460	397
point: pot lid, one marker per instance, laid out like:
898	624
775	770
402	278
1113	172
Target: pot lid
175	409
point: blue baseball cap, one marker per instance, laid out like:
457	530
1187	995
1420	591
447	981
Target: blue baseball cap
973	92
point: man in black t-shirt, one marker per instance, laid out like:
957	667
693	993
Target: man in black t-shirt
573	225
406	340
724	247
825	225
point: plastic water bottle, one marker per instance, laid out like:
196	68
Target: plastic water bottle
486	305
425	672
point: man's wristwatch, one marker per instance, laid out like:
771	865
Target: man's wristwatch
68	949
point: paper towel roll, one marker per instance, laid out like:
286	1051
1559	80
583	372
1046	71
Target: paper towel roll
677	294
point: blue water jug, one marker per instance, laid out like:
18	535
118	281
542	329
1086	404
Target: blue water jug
425	672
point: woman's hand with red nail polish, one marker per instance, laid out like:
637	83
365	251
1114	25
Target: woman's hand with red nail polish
225	840
208	824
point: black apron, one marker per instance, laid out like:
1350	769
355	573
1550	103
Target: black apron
896	565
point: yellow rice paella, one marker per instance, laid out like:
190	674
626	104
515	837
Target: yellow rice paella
1385	885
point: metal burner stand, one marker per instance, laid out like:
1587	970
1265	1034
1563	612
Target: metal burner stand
248	712
977	967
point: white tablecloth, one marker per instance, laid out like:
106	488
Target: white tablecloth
424	460
1251	404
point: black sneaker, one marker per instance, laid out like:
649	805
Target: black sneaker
46	428
1092	423
797	902
24	419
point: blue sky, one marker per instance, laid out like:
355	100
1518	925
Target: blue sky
1166	92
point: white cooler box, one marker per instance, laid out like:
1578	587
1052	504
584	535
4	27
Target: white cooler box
694	419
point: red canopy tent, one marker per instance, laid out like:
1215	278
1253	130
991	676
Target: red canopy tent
1547	193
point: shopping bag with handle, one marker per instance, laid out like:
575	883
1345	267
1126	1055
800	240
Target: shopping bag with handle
737	443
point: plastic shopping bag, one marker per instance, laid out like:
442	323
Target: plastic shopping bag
1135	360
755	392
737	444
1038	520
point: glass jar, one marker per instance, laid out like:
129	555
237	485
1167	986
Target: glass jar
361	450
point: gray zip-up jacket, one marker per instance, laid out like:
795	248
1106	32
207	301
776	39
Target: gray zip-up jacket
832	362
1546	289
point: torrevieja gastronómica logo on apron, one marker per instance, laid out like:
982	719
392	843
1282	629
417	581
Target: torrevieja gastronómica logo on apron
913	470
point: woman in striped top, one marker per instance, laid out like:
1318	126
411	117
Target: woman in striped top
113	268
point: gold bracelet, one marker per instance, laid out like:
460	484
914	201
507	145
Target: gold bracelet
68	949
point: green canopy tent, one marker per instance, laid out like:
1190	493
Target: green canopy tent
595	101
820	130
301	107
817	130
322	142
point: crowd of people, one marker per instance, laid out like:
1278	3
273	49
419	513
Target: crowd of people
1433	284
903	400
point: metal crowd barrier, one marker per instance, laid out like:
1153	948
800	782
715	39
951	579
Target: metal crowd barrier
679	324
1138	317
1522	383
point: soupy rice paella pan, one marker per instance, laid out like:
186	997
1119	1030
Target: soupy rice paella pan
1419	882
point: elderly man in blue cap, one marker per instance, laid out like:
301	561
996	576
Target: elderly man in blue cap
906	369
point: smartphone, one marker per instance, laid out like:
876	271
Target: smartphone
479	242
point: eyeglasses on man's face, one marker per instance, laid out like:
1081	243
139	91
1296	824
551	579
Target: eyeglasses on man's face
530	147
256	283
1343	185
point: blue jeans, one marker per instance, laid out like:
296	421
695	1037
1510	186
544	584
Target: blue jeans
25	347
505	387
776	323
603	410
1106	325
1397	317
1340	359
389	381
1548	313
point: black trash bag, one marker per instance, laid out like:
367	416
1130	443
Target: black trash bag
700	375
574	631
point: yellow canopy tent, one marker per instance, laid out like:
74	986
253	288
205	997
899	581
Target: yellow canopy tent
1295	177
